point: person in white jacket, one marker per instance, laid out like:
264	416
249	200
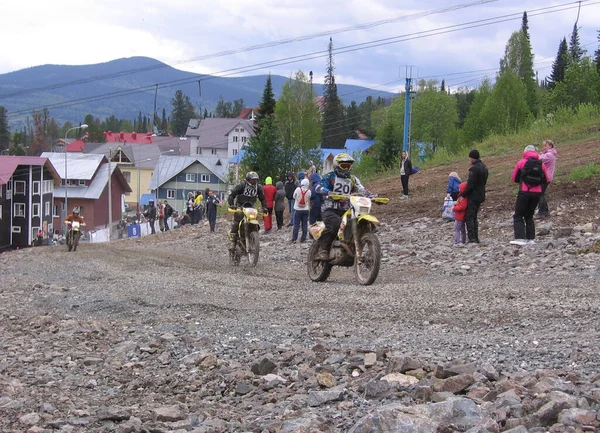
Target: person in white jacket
302	210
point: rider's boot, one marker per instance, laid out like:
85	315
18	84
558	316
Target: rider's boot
323	253
233	237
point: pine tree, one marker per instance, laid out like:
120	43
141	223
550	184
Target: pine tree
443	86
139	127
334	124
575	50
560	64
518	58
4	131
164	122
525	26
597	55
182	112
266	107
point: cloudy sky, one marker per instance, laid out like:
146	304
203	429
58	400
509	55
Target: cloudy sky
458	40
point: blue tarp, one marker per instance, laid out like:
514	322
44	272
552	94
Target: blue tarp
145	199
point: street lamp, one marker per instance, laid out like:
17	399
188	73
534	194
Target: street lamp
82	126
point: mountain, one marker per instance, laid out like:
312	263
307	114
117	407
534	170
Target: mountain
124	87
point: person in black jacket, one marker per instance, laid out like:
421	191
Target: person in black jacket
151	215
475	191
289	187
244	194
405	172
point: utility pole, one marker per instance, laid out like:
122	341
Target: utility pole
407	110
109	196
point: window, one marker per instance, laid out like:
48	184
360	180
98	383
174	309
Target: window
244	139
235	138
47	208
20	187
55	211
47	186
213	151
36	188
9	186
34	232
35	212
190	177
234	152
81	182
1	191
205	178
198	151
127	176
16	229
171	194
19	210
0	211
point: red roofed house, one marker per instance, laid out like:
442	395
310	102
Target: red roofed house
26	199
129	137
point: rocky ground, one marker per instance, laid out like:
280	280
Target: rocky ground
161	335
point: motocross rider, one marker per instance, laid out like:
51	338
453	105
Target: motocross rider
244	194
74	217
339	181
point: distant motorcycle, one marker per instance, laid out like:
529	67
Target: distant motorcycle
357	244
248	243
73	234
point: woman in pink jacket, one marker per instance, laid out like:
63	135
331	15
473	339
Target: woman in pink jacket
530	174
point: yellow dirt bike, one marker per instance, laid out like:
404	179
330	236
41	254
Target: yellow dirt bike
356	245
248	242
74	234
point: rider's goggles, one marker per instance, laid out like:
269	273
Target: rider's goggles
345	165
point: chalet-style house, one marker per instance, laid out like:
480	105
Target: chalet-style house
137	161
26	199
175	176
218	137
85	183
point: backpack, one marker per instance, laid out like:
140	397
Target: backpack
532	173
302	201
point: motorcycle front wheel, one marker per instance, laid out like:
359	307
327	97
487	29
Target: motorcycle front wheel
318	270
366	268
253	248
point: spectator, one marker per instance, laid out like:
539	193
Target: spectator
315	200
279	204
198	208
211	209
290	186
168	214
190	206
460	207
405	172
302	207
270	191
548	157
184	219
161	216
528	197
453	185
311	170
475	192
151	215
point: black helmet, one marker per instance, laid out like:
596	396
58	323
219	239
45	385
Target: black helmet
252	177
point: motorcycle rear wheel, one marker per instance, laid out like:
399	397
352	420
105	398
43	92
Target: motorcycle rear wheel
367	269
253	248
318	270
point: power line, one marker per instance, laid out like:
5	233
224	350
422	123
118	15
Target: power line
309	56
255	47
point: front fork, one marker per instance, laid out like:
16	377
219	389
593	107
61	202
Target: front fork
357	246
